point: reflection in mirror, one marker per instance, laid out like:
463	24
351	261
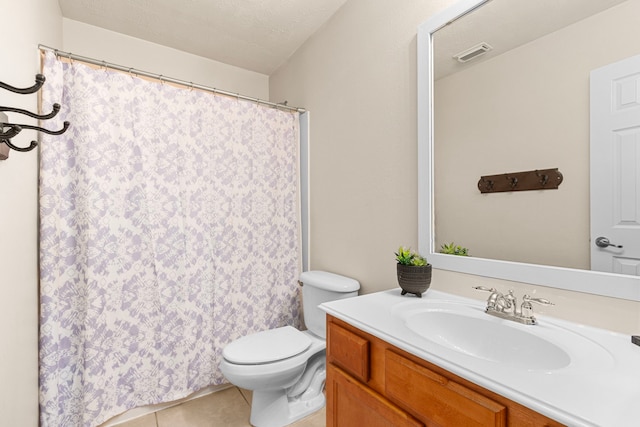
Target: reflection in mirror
522	103
522	106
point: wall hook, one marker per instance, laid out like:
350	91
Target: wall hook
39	82
485	185
489	184
513	181
52	114
65	126
31	146
13	131
544	178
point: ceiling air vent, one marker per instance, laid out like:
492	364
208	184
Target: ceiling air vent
473	52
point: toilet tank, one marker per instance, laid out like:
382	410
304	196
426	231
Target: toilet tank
319	287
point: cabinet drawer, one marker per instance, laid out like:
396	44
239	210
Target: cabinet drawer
348	351
437	399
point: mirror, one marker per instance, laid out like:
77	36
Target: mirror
534	140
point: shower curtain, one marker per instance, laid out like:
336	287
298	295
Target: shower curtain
169	226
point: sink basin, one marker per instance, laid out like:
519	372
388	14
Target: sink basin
485	339
469	331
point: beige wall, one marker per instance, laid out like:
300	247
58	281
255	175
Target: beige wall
26	23
101	44
524	110
357	77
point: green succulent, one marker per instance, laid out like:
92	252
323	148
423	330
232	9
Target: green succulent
453	249
406	256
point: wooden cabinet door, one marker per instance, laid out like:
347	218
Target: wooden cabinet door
438	400
348	351
351	403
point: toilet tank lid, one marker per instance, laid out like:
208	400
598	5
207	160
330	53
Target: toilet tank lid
329	281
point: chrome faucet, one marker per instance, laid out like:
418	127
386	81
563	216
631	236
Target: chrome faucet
506	306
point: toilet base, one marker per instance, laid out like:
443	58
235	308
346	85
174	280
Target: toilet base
275	409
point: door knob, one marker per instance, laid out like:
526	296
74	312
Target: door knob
603	242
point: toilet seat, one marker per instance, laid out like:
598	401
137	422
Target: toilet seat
267	346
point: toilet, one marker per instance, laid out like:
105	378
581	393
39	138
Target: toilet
284	367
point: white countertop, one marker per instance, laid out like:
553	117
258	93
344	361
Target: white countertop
600	388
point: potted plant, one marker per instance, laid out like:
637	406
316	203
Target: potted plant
453	249
414	272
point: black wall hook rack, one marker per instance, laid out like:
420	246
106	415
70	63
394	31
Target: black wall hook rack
539	179
10	130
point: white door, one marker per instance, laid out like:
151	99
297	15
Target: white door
615	167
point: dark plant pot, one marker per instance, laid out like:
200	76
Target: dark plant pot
414	279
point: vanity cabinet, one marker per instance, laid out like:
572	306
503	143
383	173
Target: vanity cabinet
371	382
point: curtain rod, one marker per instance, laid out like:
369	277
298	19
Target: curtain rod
71	56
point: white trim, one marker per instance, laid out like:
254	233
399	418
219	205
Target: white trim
305	190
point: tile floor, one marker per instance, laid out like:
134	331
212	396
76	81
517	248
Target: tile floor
226	408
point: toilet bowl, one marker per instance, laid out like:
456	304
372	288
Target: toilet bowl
284	367
276	402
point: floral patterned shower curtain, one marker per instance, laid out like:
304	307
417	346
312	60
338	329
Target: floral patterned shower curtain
169	227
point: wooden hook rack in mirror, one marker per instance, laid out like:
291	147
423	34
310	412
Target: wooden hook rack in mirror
539	179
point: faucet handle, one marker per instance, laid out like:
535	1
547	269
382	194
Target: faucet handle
484	289
541	301
526	309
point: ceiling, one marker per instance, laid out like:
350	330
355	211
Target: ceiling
257	35
260	35
505	25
